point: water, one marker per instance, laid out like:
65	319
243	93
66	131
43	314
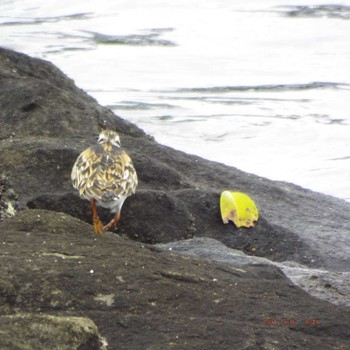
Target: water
262	85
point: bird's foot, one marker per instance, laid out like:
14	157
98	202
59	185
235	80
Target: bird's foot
112	225
98	227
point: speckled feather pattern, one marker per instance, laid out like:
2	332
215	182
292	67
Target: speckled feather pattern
105	172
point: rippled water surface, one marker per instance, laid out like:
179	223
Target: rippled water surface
260	85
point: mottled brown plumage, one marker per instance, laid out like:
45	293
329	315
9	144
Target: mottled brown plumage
104	173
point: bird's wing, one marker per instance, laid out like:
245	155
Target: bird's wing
84	168
116	176
104	175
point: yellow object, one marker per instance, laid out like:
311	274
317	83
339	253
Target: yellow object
239	208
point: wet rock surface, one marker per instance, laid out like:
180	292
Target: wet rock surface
138	296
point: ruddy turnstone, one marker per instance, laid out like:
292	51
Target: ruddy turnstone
105	175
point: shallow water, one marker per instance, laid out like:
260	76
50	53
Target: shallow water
260	85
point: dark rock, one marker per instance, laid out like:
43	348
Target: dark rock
326	285
266	239
38	100
145	215
153	216
69	203
138	297
54	269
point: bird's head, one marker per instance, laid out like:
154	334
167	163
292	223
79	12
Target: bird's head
109	136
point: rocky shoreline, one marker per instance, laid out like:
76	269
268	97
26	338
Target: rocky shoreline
174	276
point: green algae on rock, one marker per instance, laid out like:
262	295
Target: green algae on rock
30	331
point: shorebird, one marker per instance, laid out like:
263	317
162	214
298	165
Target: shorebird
104	175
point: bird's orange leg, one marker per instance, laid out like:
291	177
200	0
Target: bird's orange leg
98	227
113	223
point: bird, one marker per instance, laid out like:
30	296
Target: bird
105	175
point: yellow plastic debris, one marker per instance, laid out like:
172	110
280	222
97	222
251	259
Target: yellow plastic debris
239	208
